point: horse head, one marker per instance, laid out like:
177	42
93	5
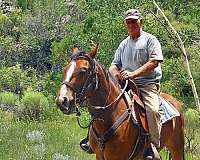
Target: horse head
79	78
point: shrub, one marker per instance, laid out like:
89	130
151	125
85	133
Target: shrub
12	79
8	98
17	80
192	125
8	101
52	112
5	25
6	117
32	106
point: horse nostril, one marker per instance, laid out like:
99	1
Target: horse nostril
65	99
61	100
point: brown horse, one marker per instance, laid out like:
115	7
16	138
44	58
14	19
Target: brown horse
113	135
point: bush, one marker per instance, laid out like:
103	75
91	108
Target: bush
8	98
6	117
8	101
51	112
12	79
192	125
17	80
5	25
33	105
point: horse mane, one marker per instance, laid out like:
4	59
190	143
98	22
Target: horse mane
108	75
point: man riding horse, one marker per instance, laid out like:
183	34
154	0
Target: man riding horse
138	57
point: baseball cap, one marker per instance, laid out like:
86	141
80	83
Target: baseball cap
132	14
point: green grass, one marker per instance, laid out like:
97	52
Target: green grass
46	140
60	139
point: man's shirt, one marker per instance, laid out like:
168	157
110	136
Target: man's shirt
132	54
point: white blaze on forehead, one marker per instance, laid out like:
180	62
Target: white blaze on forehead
70	71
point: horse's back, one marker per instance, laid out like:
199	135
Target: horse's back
177	104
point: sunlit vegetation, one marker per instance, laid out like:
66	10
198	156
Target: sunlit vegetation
36	38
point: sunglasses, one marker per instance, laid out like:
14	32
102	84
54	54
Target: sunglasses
130	21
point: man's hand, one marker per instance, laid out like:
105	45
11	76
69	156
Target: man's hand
144	70
127	75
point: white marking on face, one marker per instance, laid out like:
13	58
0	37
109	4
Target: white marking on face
70	71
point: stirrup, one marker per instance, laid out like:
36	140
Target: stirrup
85	146
155	152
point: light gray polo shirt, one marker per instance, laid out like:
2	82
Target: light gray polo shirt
132	54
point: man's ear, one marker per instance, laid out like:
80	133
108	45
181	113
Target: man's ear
93	51
141	22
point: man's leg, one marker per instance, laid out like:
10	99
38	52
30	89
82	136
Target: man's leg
150	96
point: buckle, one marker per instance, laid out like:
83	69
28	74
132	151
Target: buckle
101	143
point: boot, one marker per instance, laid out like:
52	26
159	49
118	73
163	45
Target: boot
148	154
151	153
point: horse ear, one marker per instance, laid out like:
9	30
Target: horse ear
93	51
75	50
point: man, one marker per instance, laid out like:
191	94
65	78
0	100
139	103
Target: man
138	57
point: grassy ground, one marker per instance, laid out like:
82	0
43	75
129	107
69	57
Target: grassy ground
50	140
47	140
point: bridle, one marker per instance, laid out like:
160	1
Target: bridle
91	81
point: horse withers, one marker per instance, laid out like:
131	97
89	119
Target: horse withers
112	133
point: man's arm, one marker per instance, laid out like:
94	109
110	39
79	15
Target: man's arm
146	69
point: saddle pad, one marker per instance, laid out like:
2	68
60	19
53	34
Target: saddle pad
168	109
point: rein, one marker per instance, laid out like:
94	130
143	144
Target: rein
118	97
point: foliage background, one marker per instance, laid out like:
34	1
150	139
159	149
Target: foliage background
36	38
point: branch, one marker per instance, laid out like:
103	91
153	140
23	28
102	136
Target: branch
185	56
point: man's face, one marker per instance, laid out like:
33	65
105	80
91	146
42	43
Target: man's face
133	27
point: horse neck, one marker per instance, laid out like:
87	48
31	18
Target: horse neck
103	120
106	93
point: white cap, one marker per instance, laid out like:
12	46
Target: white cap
132	14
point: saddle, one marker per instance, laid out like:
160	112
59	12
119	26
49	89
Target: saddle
138	109
138	105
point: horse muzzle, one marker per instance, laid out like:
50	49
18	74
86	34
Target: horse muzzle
65	104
